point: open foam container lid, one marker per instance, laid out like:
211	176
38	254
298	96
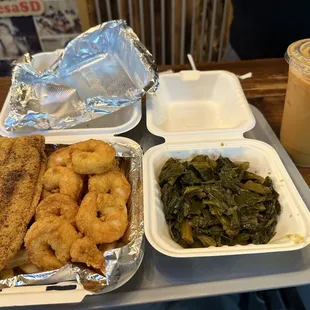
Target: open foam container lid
207	113
111	124
191	103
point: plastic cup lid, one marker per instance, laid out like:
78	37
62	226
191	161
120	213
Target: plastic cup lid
298	55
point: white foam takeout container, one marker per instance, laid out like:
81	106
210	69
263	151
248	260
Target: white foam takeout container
103	128
207	113
115	123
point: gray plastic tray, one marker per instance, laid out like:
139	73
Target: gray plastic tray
161	278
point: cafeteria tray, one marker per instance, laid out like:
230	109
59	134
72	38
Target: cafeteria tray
162	278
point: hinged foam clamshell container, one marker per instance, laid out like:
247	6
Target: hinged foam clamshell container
103	128
207	113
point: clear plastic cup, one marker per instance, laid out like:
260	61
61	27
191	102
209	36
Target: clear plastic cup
295	129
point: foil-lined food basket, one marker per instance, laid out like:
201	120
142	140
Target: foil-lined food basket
122	262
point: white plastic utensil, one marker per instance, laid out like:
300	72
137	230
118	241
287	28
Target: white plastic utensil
191	61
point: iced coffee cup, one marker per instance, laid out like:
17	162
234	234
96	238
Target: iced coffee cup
295	129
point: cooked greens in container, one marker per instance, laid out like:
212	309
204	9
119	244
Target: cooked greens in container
211	202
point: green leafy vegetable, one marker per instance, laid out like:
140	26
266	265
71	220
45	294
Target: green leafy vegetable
252	176
256	187
186	232
171	171
206	240
217	202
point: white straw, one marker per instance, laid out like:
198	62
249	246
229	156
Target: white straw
191	61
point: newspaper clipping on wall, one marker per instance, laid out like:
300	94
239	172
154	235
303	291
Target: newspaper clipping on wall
35	26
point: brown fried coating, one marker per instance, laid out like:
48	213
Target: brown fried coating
22	165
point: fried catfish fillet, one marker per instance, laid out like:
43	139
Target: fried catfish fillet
22	165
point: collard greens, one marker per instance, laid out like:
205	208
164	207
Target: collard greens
217	202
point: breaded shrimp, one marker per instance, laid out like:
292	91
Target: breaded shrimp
102	217
48	242
62	180
92	156
61	157
84	250
111	182
59	205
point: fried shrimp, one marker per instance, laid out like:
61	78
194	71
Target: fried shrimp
112	182
48	242
58	205
60	157
102	217
64	181
109	246
92	157
84	250
115	165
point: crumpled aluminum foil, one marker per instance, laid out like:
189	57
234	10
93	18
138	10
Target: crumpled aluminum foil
121	263
99	72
